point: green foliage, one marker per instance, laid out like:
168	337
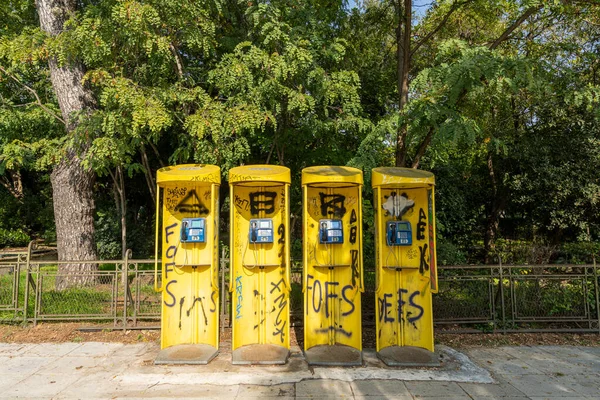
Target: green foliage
13	238
510	132
449	254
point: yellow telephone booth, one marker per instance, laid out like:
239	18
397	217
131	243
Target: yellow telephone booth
406	272
190	241
333	275
260	264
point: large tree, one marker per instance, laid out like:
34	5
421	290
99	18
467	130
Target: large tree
72	183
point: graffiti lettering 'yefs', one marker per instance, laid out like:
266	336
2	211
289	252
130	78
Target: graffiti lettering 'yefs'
262	202
413	311
320	294
332	205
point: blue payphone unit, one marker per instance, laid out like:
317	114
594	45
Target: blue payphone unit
399	233
331	231
193	230
261	230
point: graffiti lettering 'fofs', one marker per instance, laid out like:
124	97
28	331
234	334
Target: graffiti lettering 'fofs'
411	309
320	294
170	254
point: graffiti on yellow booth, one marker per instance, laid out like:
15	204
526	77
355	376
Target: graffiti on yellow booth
260	280
405	268
333	270
190	295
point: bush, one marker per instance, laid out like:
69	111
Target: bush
13	238
449	254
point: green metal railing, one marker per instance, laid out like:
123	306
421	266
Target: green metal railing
526	298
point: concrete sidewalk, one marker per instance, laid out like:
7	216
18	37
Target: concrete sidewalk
110	370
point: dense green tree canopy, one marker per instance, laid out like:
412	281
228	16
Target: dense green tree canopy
500	98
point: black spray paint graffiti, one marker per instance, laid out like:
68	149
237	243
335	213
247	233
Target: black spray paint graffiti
241	203
386	311
266	204
334	329
281	253
355	266
191	204
421	225
198	299
332	205
353	227
318	292
280	304
169	264
424	264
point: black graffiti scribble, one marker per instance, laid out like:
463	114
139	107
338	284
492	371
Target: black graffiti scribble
198	300
191	204
423	265
280	331
353	229
276	286
421	225
332	204
355	271
267	204
385	308
334	329
180	308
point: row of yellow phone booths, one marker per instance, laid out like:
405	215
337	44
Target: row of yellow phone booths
188	221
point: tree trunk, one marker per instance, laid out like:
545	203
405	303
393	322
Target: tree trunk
493	220
403	33
72	185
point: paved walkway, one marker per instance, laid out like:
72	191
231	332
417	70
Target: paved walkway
109	370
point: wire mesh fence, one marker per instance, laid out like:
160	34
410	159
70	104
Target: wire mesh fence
501	298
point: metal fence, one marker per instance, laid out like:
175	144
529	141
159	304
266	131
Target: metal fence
549	298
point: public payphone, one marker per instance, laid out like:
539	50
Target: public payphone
260	264
333	275
189	195
406	273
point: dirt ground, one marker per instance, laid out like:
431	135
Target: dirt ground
71	332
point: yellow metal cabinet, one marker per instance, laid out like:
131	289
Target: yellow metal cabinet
333	274
260	264
190	240
406	273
